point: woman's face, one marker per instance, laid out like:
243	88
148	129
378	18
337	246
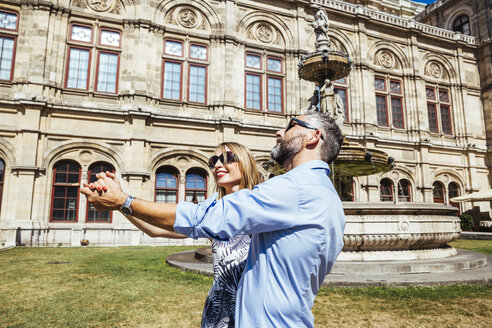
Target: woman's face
227	176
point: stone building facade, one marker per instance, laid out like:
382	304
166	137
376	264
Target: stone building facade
149	88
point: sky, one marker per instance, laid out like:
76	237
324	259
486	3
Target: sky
425	1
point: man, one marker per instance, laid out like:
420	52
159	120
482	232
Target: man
296	221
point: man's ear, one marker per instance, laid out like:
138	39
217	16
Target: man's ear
313	138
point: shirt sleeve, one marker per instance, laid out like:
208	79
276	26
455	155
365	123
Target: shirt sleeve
270	206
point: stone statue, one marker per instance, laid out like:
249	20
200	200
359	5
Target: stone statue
331	103
313	101
321	24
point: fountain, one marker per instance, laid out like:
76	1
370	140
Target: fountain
380	237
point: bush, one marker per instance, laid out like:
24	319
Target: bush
467	222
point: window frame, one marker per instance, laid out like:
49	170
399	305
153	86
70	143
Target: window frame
164	61
443	192
117	71
70	47
170	170
101	30
390	95
462	24
164	53
65	185
82	25
13	35
198	172
190	64
438	105
264	74
391	188
403	198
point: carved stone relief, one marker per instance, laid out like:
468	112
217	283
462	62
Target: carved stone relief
435	70
187	17
265	33
385	58
106	6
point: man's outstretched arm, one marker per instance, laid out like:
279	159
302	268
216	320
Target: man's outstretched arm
107	194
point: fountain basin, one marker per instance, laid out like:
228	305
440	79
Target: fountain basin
321	65
388	231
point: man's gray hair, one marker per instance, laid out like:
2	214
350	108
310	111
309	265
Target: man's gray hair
332	135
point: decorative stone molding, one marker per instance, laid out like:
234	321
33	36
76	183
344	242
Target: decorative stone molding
436	70
386	59
265	33
187	17
102	6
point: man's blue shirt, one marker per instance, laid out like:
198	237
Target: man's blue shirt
296	221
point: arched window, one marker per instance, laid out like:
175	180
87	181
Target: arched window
166	185
386	190
438	192
404	191
453	191
196	186
2	176
65	194
462	25
94	215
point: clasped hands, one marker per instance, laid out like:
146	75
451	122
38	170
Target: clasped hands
106	193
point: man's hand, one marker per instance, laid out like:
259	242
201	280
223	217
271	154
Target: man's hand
106	193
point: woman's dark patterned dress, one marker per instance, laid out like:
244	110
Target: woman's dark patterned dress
229	261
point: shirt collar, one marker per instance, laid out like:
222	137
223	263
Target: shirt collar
314	164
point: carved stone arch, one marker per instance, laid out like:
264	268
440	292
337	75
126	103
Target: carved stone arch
388	56
124	8
265	33
256	18
464	10
438	67
447	176
181	159
84	153
188	14
7	153
405	173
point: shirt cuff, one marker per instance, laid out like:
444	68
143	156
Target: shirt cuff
189	215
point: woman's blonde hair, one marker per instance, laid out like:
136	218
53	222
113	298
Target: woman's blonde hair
250	176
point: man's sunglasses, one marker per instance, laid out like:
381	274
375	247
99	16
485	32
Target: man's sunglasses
229	158
294	121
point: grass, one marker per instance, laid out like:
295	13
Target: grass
481	246
133	287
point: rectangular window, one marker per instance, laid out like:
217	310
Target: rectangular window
382	110
274	94
172	81
274	65
78	68
253	61
397	112
8	21
7	46
253	91
198	77
173	48
198	52
110	38
432	114
446	120
81	33
107	72
380	84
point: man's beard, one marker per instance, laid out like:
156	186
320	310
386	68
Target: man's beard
286	149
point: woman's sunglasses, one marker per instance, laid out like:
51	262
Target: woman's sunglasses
229	158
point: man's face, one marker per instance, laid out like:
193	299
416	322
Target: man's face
289	142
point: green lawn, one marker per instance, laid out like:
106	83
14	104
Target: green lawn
133	287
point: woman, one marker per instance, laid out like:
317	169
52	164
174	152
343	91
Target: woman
234	168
